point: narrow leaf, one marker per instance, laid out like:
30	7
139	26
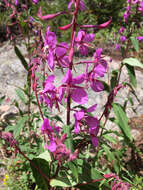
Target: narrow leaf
132	75
122	120
133	62
114	76
20	56
69	140
2	99
18	127
21	95
43	165
135	43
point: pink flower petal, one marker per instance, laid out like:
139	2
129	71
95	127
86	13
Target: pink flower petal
83	50
79	95
79	79
52	146
51	60
79	115
94	141
92	108
96	85
68	77
89	37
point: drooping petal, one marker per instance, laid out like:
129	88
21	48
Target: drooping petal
94	141
79	95
61	49
51	60
50	39
66	27
83	50
76	127
96	85
93	124
70	4
97	54
45	125
50	78
79	79
61	94
100	69
79	115
89	37
48	16
82	6
52	146
92	108
68	77
80	36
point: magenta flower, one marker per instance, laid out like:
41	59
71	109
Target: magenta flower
117	46
123	38
91	122
81	5
35	1
79	115
99	69
82	41
50	45
93	125
50	130
122	29
140	38
49	93
61	57
77	93
61	153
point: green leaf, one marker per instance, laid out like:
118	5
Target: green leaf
114	76
110	139
43	165
106	86
18	127
46	156
74	170
132	75
122	120
21	95
135	43
20	56
109	154
133	62
69	140
66	181
2	99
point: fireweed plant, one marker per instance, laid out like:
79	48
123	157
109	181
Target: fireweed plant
78	152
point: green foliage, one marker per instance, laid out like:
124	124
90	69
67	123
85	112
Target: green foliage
122	120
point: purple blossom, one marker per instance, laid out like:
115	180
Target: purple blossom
16	2
35	1
61	56
77	93
61	153
123	38
81	5
122	29
82	41
49	93
140	38
50	130
50	45
117	46
99	69
91	122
